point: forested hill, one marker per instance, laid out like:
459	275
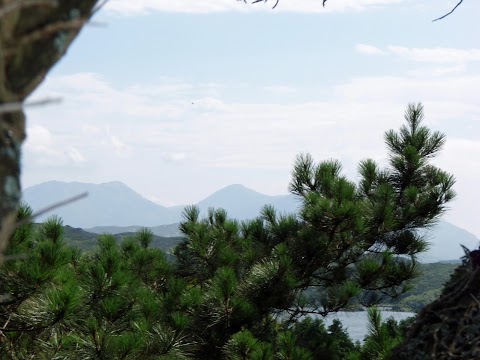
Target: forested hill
87	241
426	287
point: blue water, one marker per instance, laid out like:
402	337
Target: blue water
356	322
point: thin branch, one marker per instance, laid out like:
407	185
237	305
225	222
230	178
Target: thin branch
50	208
444	16
257	1
274	6
99	6
18	106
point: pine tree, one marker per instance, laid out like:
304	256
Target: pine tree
234	289
353	242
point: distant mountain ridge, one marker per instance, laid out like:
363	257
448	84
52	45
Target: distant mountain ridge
115	208
115	204
112	203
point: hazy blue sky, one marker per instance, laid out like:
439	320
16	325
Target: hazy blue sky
179	98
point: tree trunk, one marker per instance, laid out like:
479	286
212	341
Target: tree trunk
34	35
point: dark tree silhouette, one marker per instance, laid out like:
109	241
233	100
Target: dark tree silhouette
34	35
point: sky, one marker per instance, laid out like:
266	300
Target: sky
178	99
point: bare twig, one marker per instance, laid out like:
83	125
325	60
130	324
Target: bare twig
276	3
18	106
50	208
257	1
444	16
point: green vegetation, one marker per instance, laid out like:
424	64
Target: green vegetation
87	241
230	283
426	287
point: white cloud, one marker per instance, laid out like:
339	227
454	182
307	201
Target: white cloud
119	147
40	142
208	104
437	71
91	130
76	156
436	55
217	135
459	89
129	7
39	136
453	57
45	149
368	49
281	89
102	96
174	156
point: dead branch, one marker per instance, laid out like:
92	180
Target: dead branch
18	106
444	16
50	208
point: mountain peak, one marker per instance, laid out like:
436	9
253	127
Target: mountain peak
236	187
115	183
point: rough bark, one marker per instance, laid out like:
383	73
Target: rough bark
449	327
34	35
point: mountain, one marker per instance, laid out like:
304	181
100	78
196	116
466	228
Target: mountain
111	203
115	204
445	242
115	208
243	203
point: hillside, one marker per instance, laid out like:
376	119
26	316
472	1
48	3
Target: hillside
170	230
426	287
86	240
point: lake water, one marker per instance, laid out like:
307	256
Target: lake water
356	322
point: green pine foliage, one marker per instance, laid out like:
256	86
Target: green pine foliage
332	343
234	290
383	336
